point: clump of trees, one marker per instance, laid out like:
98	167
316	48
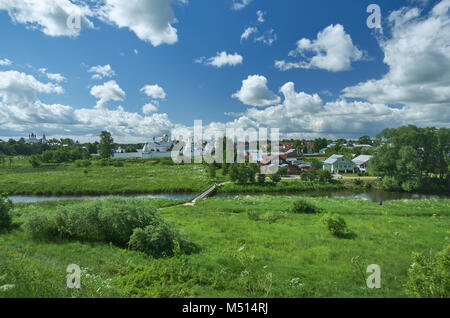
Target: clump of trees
412	159
316	173
243	173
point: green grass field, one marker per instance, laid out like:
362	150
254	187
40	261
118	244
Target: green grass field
146	177
285	186
281	255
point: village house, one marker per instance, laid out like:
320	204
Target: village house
339	163
362	162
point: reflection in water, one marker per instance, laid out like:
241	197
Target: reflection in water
372	195
32	199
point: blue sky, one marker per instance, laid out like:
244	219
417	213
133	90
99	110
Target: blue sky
34	38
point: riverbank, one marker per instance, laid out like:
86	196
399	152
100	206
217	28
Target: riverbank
284	186
248	247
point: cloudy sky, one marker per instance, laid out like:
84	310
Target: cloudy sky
143	68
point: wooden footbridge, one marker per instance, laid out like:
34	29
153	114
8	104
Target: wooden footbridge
204	194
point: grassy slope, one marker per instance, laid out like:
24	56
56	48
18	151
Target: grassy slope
129	179
285	186
292	257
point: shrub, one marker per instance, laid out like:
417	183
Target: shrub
261	178
429	276
117	163
111	220
254	216
242	173
275	178
212	170
337	225
367	186
325	176
234	173
358	182
251	174
122	222
82	163
391	184
302	206
225	168
103	162
410	185
5	217
160	240
34	161
283	171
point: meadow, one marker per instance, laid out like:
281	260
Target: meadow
284	186
248	247
133	177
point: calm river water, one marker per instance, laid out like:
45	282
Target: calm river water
372	195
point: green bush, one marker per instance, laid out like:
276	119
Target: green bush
253	215
325	176
160	239
82	163
429	276
35	161
212	170
275	178
242	174
283	171
337	225
367	186
261	178
5	217
302	206
391	184
123	222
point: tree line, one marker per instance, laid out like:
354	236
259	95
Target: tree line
412	158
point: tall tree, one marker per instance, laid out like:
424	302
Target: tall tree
106	145
319	143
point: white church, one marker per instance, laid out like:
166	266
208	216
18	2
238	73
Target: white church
162	144
156	148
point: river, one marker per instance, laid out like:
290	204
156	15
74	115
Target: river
371	195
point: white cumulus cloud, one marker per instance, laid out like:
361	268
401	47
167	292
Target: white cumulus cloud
154	91
102	71
151	21
418	57
333	50
254	92
48	16
221	59
5	62
106	92
149	108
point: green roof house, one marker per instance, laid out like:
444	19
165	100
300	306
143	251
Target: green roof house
339	163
